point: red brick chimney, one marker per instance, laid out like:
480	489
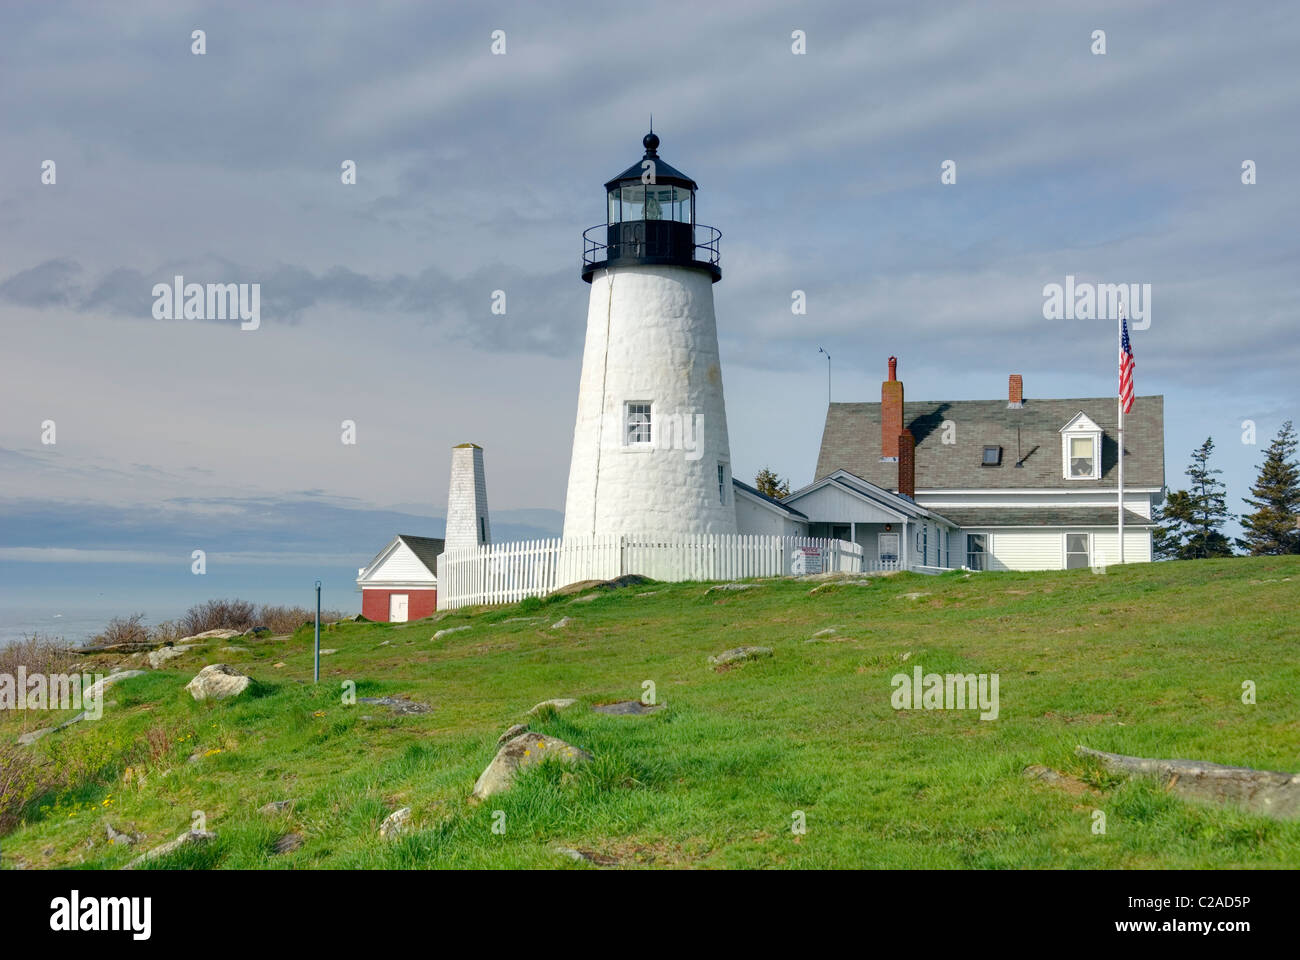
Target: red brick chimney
1015	391
907	464
891	412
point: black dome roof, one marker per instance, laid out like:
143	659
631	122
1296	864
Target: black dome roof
664	172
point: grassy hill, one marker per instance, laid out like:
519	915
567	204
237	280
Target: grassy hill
1146	660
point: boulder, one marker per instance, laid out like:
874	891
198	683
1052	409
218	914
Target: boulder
448	630
739	655
116	838
221	634
557	704
217	681
190	837
287	844
27	739
160	656
561	623
729	587
511	732
395	823
525	750
276	807
327	651
581	586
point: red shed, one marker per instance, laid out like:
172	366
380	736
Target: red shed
401	583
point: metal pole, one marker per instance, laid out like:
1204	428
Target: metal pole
316	667
828	374
1120	407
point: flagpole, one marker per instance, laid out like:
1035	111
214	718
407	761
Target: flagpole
1120	407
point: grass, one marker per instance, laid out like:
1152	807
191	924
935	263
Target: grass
1146	660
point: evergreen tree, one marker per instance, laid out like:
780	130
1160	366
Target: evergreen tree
1271	527
770	484
1172	526
1208	508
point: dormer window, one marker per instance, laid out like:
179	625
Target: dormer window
992	456
1081	449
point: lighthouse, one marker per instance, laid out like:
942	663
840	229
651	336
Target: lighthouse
650	449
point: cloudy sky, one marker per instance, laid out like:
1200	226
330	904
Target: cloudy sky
478	172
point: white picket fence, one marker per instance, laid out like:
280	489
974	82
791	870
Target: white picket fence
509	572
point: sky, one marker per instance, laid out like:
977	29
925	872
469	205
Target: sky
477	171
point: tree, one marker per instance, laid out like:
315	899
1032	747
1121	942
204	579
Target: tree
1208	508
1271	527
1172	526
769	484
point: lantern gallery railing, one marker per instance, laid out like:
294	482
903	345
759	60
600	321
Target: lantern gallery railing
649	241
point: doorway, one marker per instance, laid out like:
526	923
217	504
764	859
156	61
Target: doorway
397	607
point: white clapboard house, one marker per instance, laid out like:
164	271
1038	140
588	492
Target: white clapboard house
1010	484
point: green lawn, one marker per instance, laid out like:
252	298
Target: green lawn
1146	660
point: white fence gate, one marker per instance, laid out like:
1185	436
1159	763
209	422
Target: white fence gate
509	572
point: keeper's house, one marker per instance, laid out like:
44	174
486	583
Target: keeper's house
1012	484
401	582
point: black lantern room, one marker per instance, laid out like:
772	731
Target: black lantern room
651	222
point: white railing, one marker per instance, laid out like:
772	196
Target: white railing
509	572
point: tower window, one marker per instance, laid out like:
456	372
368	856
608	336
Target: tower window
638	422
992	456
482	530
722	483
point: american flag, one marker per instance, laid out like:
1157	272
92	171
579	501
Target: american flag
1125	368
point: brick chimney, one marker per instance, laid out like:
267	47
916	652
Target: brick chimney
891	412
907	464
1015	391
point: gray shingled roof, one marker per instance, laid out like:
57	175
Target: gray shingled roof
426	550
772	500
1044	516
851	441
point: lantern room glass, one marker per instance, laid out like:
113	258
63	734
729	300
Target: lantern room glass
650	202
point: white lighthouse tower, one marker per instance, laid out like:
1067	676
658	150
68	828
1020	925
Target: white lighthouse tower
650	449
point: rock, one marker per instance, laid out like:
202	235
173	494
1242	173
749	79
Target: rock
398	704
725	587
395	823
649	593
258	632
1265	792
118	839
627	708
561	623
740	654
836	584
27	739
276	807
525	750
829	631
97	689
279	665
239	650
585	856
581	586
911	596
288	843
326	652
217	681
384	643
585	598
557	704
447	631
521	619
190	837
160	656
512	732
220	634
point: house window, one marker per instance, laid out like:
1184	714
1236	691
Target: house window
1083	457
976	550
638	422
992	456
925	545
722	483
1077	552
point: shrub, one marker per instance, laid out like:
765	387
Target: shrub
21	780
38	654
124	630
217	615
